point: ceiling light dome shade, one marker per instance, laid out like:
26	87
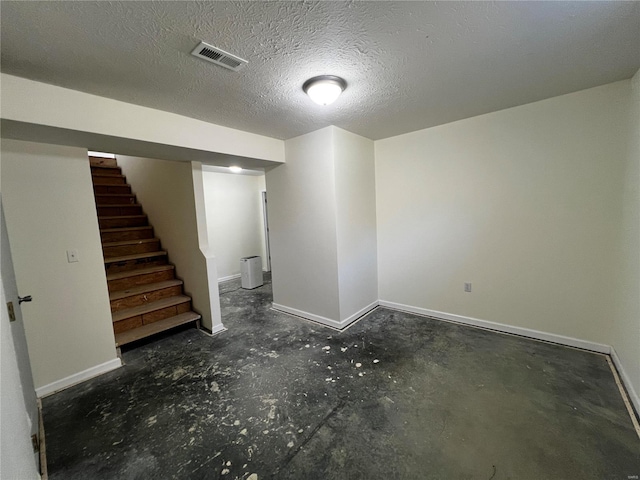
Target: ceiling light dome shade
325	89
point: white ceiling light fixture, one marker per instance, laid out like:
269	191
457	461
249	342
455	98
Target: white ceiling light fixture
235	169
325	89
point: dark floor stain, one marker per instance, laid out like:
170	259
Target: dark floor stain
396	396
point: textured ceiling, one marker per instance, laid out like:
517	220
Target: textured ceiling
409	65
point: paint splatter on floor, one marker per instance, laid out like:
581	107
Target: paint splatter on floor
255	402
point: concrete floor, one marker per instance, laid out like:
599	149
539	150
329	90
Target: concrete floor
396	396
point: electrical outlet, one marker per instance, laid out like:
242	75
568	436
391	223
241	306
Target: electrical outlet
72	256
467	286
12	313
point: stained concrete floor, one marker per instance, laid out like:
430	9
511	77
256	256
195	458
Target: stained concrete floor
396	396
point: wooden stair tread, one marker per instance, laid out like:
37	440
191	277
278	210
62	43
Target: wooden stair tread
155	327
98	195
123	229
112	167
114	195
135	256
149	307
118	205
110	175
138	271
149	287
130	242
111	217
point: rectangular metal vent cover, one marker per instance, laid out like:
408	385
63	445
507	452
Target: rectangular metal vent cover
219	57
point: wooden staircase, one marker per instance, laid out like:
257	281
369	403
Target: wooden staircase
146	297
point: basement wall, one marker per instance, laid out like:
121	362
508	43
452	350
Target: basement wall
625	332
355	223
235	221
49	206
302	223
525	203
322	227
42	112
165	190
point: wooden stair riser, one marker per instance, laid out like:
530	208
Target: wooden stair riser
109	162
117	222
128	324
130	249
103	200
142	298
105	170
132	335
113	211
111	189
120	235
108	179
145	296
134	280
134	264
151	317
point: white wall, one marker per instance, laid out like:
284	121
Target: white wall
166	191
356	222
302	223
50	208
524	203
234	219
68	117
322	227
625	335
18	408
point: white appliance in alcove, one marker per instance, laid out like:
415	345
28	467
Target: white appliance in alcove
251	272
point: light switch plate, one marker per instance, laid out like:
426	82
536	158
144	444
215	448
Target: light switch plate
72	256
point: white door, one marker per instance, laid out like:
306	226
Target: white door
266	232
19	408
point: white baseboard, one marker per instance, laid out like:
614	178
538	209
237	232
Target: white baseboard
347	322
633	395
76	378
229	277
233	277
218	328
309	316
501	327
335	324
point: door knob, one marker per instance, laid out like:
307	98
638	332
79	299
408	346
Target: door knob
24	299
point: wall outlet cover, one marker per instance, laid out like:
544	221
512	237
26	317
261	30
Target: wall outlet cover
72	256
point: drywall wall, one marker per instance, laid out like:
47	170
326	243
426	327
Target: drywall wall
356	222
211	264
625	335
524	203
302	224
19	411
43	112
322	227
235	221
49	206
166	191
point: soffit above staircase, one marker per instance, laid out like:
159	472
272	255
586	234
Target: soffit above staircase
409	65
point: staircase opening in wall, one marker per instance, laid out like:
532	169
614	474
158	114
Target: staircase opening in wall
146	297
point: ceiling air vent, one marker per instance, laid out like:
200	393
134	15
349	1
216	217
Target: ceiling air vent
219	57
